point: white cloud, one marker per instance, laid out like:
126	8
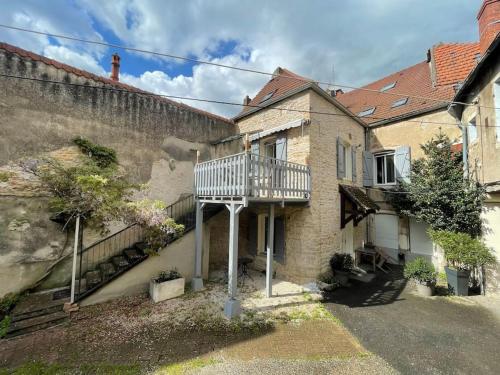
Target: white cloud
80	60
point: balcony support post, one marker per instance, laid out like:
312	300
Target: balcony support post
270	252
232	307
197	281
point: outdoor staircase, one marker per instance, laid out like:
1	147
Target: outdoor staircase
38	311
107	259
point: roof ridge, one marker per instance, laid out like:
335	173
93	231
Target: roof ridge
92	76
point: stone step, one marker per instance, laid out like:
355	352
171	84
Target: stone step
141	246
37	312
107	270
132	254
120	262
25	326
36	304
92	278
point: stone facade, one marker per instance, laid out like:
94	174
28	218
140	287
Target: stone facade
155	139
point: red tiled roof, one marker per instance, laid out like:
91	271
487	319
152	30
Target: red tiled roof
453	63
279	85
82	73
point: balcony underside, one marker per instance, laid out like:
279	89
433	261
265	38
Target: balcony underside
245	200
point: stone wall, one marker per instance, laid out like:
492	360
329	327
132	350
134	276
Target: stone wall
155	140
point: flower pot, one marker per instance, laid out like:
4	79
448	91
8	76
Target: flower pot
166	290
458	281
424	288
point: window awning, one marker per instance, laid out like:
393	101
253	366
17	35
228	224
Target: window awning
354	205
288	125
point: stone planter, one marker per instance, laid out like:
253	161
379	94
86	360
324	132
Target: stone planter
458	281
425	289
166	290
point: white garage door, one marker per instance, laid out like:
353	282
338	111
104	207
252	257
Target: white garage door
386	231
420	242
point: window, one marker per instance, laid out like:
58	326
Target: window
388	87
366	112
496	92
385	169
270	148
344	160
399	102
472	130
267	96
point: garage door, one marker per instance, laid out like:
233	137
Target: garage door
386	231
420	242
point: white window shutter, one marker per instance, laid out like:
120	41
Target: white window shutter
367	168
353	163
281	147
402	159
340	159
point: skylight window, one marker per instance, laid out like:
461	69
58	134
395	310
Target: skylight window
366	112
399	102
388	87
267	96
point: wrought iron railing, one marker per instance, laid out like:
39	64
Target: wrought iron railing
251	175
103	251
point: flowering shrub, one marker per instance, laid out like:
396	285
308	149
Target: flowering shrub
420	270
159	227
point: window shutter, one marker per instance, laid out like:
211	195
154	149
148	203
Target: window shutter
402	160
281	147
367	168
279	239
353	163
252	234
340	159
254	147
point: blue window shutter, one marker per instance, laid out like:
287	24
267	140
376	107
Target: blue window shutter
279	239
254	147
367	168
402	159
281	147
340	159
353	163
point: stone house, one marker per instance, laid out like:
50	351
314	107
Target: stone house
405	121
481	120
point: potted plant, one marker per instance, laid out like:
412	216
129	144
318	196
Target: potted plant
341	264
167	285
424	275
463	253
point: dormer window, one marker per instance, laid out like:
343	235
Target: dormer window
388	87
399	102
366	112
267	96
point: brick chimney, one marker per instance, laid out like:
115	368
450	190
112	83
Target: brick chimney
247	100
489	23
115	67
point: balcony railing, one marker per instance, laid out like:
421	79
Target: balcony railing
253	177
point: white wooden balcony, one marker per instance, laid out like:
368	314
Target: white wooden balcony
249	177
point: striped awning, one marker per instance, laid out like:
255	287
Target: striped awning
277	129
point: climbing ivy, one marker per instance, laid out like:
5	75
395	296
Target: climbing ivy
103	156
438	193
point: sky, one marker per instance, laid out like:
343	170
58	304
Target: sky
348	42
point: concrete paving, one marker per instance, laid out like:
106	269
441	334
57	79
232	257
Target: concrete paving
420	335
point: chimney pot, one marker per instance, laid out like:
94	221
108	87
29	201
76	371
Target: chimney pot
488	19
115	67
247	100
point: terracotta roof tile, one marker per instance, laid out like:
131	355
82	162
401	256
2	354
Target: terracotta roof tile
82	73
453	63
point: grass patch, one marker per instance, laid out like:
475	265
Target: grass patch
40	368
183	367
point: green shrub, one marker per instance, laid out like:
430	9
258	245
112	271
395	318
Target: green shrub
4	326
7	302
420	270
341	262
167	276
461	250
103	156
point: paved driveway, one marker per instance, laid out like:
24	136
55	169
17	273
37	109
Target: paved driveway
418	335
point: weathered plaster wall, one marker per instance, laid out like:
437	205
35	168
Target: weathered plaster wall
156	142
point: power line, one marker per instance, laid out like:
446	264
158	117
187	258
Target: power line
147	94
184	58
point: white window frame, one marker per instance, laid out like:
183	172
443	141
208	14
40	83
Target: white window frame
472	124
347	160
375	170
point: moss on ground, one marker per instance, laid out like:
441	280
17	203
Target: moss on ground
41	368
183	367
